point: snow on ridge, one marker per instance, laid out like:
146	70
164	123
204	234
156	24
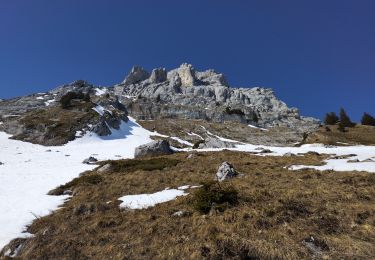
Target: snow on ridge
182	141
219	137
257	127
100	91
30	171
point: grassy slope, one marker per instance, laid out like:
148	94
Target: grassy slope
54	125
360	134
278	209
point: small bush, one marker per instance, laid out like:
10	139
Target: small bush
144	165
328	224
212	195
294	208
65	100
331	118
92	179
345	120
85	179
367	119
230	111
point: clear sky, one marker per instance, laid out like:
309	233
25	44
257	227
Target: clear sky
316	55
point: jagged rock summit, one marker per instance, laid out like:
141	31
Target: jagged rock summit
190	94
183	93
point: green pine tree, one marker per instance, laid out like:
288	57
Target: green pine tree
367	119
345	120
331	118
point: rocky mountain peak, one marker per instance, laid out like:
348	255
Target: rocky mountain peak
137	74
186	72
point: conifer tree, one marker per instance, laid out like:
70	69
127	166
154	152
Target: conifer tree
345	120
367	119
331	118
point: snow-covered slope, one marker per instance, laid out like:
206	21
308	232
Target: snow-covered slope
29	171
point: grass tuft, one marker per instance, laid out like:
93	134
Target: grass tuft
213	195
143	165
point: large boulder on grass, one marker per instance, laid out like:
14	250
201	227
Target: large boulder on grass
225	171
160	147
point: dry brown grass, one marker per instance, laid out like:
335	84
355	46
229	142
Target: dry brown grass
232	130
54	125
277	213
360	134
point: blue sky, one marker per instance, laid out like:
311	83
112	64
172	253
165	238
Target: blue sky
316	55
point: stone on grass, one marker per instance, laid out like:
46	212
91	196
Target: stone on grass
105	168
225	171
160	147
90	160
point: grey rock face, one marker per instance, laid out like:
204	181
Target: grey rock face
225	171
16	113
136	75
189	94
154	148
158	75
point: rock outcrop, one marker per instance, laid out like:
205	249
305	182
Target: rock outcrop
189	94
40	118
225	171
160	147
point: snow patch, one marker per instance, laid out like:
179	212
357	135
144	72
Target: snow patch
182	141
143	201
257	127
194	134
100	110
49	102
100	91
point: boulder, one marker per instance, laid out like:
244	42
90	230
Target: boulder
213	142
105	168
160	147
90	160
225	171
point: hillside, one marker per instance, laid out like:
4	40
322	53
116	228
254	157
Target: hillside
179	165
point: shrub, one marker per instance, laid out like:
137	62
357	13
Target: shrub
331	118
85	179
367	119
92	179
255	118
144	165
66	99
230	111
212	195
345	120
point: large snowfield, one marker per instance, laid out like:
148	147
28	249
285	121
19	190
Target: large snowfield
29	171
